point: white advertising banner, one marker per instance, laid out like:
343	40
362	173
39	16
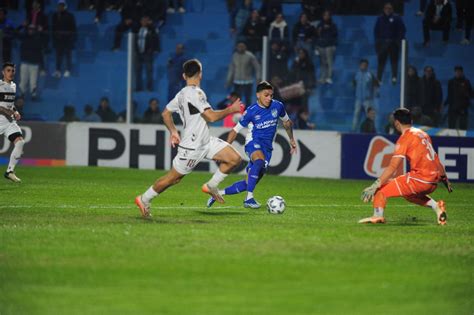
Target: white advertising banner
147	147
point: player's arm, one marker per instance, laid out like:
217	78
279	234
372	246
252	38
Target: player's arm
215	115
8	113
288	125
369	192
233	133
444	178
169	123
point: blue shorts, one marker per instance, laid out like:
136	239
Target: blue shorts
251	147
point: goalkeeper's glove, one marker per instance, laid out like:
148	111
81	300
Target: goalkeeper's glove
369	192
446	183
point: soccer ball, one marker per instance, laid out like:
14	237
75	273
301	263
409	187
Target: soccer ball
276	205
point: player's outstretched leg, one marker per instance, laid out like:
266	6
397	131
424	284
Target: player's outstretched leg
229	159
254	176
439	207
143	201
233	189
14	158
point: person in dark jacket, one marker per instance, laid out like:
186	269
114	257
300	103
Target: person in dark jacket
36	17
419	118
278	60
175	72
431	95
146	44
303	70
326	45
131	13
459	99
314	10
105	112
269	10
303	34
412	88
8	29
437	17
64	37
468	20
389	31
368	126
253	31
69	114
153	115
31	55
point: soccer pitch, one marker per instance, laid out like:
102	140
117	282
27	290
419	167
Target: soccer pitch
72	242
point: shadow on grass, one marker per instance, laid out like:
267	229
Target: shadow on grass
222	213
171	221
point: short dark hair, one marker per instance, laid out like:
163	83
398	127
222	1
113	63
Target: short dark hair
153	99
403	115
364	61
264	85
192	67
369	109
8	64
460	68
234	94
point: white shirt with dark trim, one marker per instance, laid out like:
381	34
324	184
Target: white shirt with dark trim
7	94
190	103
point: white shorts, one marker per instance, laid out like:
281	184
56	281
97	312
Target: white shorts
8	128
186	159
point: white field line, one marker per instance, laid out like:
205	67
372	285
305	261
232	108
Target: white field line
203	207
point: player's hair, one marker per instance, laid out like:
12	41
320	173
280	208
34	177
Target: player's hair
264	85
403	115
192	67
8	64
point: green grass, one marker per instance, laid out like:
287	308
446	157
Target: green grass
72	242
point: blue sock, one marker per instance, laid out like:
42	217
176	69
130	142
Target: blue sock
236	188
254	174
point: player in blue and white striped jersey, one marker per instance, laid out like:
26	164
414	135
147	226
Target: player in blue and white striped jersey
261	119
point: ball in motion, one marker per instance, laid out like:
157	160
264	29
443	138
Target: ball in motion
276	205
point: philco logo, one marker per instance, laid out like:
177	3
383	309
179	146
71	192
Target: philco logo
378	157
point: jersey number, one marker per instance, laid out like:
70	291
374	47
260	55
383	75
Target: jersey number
431	152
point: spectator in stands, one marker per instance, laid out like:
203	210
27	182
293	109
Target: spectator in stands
389	31
270	9
31	55
64	38
278	31
90	115
412	88
36	17
302	122
422	8
240	15
303	69
105	112
419	118
460	13
153	114
156	9
131	13
431	95
276	82
389	128
122	116
468	22
176	5
244	69
326	46
278	61
313	10
146	44
368	126
459	99
69	114
175	72
8	30
231	120
303	34
364	83
437	17
254	30
29	4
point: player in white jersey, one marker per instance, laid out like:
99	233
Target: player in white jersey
8	118
195	144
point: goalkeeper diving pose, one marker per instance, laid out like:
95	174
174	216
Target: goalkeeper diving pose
426	171
261	119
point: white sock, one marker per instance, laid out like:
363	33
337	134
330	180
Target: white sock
149	195
16	155
217	178
249	195
378	212
433	205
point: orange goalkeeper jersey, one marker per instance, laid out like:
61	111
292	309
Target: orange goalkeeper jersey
415	146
